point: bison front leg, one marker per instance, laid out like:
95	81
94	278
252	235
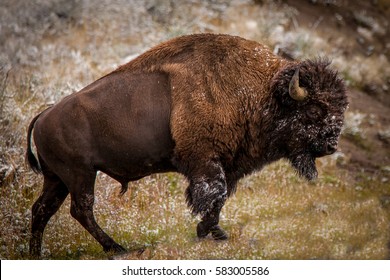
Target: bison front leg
209	224
206	196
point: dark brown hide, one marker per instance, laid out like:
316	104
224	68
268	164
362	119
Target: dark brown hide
212	107
119	125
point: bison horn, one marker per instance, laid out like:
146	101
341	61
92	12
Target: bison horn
296	92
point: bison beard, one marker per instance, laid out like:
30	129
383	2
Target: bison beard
212	107
305	166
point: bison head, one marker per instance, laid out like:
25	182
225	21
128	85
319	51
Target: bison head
311	101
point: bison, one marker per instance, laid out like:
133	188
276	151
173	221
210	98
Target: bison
211	107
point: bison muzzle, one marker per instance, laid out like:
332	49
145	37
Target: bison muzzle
212	107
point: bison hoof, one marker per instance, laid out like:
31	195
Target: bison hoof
116	249
201	231
35	254
216	232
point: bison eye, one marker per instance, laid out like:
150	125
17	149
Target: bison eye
314	112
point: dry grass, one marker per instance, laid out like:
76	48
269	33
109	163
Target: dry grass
274	214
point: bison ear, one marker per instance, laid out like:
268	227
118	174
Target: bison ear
296	92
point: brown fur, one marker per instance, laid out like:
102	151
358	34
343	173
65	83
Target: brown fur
212	107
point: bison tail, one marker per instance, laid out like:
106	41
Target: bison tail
31	160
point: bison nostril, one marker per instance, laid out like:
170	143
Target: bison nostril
331	148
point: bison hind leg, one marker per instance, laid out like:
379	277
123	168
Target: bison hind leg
81	187
53	195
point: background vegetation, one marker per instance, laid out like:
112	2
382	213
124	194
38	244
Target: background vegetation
49	49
